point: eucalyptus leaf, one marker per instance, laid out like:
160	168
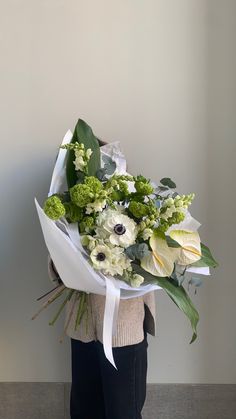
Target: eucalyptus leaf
177	294
195	281
101	174
166	181
137	251
83	134
109	165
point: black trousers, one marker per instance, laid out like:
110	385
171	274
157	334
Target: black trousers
98	390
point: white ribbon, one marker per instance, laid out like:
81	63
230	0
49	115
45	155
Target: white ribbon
110	317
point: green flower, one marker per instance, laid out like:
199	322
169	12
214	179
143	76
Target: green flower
176	218
137	209
54	208
73	212
143	186
87	224
94	184
81	195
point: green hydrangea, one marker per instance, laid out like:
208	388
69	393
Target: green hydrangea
137	209
73	212
94	184
54	208
81	195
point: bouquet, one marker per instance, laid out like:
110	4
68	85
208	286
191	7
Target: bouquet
116	234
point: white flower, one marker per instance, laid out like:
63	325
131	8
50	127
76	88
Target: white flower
146	234
88	241
101	257
89	153
79	163
109	260
119	261
96	206
119	229
136	280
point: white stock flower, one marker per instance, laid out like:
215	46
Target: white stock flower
96	206
136	280
89	153
146	233
79	163
119	229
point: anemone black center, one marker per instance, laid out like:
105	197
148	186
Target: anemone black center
101	257
119	229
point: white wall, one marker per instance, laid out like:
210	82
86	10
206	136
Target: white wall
136	71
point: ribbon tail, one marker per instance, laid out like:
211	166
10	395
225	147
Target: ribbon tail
110	317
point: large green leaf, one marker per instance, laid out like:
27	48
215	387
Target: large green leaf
206	259
177	294
83	134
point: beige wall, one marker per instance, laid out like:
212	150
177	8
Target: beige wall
147	73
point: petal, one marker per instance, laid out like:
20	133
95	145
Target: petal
190	250
161	261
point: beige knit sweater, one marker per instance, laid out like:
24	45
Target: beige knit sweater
135	315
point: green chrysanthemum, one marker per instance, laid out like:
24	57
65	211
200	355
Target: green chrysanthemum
54	208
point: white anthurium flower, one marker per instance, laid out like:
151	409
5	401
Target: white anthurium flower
159	262
120	229
190	246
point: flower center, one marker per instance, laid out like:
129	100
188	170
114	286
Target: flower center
101	257
119	229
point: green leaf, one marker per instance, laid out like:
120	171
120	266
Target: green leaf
166	181
177	294
109	165
206	259
83	134
137	251
171	242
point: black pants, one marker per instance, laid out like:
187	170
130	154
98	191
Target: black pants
98	390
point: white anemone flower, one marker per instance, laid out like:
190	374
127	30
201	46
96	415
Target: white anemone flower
101	257
109	260
119	229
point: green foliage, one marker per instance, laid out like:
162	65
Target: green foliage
177	294
137	251
83	134
207	259
166	181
